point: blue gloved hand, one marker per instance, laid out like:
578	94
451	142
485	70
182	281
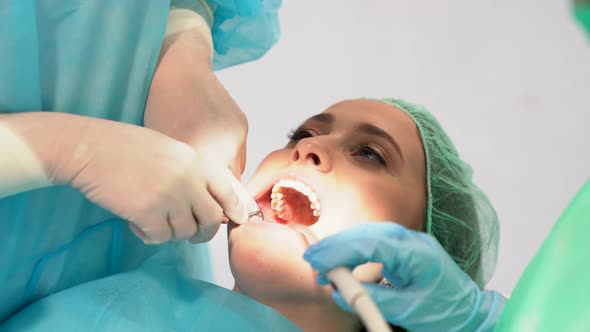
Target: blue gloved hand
431	292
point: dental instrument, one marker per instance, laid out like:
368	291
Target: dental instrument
255	216
351	289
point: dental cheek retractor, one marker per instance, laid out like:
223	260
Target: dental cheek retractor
351	289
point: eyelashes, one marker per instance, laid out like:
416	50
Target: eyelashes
296	135
367	152
362	150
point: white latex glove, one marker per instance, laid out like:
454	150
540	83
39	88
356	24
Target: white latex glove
163	187
187	102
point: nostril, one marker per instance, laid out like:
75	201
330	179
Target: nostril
295	156
316	159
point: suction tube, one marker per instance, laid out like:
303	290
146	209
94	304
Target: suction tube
351	289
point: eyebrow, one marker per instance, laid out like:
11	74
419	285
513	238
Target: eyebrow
372	130
323	117
366	128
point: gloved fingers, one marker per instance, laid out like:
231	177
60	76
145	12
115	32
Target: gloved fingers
208	214
357	245
238	165
138	232
156	229
395	305
182	221
205	234
323	279
405	254
228	193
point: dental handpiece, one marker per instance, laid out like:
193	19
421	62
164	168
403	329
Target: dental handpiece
354	293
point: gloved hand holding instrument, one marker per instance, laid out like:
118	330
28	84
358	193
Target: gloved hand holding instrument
430	291
164	188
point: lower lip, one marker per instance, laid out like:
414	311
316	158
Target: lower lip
294	227
303	238
304	233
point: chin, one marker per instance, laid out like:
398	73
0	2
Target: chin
266	260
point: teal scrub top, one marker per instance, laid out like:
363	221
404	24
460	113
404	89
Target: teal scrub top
158	296
94	58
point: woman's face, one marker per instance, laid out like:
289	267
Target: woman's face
358	161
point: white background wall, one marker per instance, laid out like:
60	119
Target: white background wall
509	80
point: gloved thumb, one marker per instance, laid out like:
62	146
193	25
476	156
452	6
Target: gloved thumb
246	202
229	194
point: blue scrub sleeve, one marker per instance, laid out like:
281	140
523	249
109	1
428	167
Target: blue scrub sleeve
242	30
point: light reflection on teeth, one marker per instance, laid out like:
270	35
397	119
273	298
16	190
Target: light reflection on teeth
313	197
277	202
276	195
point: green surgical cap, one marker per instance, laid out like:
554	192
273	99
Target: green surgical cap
582	13
458	214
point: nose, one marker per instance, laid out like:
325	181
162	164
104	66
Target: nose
311	153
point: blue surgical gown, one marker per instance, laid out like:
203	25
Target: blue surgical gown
94	58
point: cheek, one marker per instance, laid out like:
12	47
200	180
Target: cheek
388	201
273	163
383	200
267	263
355	200
275	159
262	245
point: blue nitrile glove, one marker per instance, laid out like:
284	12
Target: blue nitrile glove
431	292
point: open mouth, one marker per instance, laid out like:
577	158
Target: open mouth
290	201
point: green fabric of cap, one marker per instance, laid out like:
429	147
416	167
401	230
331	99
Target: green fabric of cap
459	215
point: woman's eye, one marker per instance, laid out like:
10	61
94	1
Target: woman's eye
298	134
369	153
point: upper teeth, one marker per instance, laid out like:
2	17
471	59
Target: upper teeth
277	203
